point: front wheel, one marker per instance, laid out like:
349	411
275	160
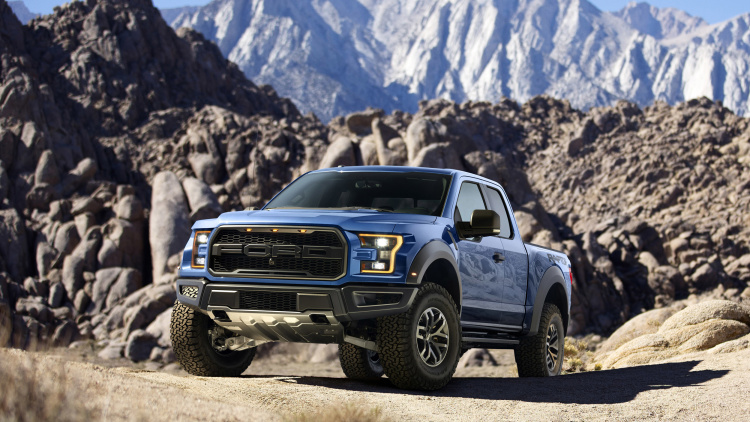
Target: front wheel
542	355
358	363
199	347
420	348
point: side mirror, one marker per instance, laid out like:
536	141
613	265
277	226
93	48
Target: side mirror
483	223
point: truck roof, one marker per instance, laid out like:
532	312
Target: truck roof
402	169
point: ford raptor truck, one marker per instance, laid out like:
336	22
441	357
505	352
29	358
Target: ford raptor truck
404	268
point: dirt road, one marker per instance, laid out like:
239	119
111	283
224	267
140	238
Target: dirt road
699	387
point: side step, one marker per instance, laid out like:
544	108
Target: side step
490	342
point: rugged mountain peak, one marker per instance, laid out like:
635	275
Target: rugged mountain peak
659	23
11	33
321	50
21	11
393	53
125	50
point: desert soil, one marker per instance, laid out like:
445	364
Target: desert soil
695	387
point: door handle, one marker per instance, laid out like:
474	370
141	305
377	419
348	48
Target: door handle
498	257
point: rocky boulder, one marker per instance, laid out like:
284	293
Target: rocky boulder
700	327
339	153
202	200
14	257
169	224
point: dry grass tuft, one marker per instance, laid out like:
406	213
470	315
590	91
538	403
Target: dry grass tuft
578	357
33	392
347	413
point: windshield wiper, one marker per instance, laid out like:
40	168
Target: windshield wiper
367	208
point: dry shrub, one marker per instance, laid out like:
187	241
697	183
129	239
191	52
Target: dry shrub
30	391
346	413
578	357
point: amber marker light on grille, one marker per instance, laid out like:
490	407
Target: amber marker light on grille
303	231
274	230
248	230
201	238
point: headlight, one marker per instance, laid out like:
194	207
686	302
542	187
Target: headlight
385	246
200	249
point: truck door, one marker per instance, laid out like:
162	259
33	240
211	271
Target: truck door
482	279
515	266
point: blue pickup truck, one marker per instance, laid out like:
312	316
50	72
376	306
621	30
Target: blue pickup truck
404	268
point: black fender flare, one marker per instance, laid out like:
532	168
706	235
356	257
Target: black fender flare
431	252
552	276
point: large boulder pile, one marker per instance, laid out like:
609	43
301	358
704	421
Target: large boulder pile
116	134
716	326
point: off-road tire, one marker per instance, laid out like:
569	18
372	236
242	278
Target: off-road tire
358	363
397	342
531	353
193	349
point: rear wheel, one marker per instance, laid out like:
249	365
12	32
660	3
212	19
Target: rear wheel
359	363
199	345
542	355
420	348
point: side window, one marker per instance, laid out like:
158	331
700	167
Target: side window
469	199
498	205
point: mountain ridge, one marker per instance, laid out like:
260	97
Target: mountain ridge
393	53
22	12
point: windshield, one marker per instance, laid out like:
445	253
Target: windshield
409	193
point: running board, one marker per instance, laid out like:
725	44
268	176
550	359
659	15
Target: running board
489	343
483	326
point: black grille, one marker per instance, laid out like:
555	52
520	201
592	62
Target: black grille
269	301
318	238
322	268
236	263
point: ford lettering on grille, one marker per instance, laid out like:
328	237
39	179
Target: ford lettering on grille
275	251
311	253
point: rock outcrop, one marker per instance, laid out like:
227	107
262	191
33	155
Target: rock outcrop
717	326
116	133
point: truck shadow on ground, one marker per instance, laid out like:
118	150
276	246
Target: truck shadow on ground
600	387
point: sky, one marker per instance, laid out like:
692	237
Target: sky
712	11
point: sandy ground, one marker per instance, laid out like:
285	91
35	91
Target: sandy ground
696	388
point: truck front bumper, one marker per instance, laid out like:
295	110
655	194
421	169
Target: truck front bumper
292	313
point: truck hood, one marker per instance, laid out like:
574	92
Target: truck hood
358	221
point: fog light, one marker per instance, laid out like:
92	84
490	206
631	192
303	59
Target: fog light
200	261
380	266
375	299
